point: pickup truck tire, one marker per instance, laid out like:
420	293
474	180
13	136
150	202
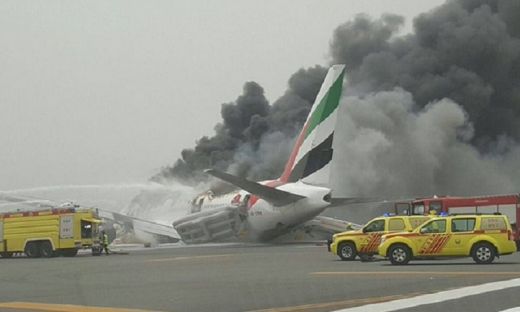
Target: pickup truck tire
32	250
483	253
347	251
46	249
399	254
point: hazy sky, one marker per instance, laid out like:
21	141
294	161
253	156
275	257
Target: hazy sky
110	91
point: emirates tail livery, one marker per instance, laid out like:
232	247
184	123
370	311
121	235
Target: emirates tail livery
264	210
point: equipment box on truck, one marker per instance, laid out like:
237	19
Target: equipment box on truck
48	233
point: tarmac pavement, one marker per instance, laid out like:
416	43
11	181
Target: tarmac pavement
238	277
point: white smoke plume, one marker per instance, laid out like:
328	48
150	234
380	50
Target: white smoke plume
163	205
163	202
386	145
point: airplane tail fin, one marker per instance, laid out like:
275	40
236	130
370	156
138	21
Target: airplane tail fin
310	158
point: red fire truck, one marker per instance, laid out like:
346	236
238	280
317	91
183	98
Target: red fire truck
508	205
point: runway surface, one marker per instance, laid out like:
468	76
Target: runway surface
240	277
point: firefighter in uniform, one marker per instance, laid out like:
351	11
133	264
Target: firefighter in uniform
104	238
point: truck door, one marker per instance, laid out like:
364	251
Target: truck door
461	233
66	226
86	229
90	228
373	232
433	238
396	225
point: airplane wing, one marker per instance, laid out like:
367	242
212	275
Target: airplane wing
343	214
161	231
343	201
317	230
332	225
275	196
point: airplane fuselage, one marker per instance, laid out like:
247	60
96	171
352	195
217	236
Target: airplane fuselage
262	220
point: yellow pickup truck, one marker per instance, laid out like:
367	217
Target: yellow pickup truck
364	242
483	237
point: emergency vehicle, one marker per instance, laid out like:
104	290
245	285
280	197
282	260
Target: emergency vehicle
347	245
47	233
483	237
508	205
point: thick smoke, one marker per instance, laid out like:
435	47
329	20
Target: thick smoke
387	146
254	138
468	51
431	112
434	112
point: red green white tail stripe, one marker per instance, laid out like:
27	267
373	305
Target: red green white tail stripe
312	153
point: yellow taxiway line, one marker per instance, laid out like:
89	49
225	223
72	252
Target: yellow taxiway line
373	273
337	304
51	307
190	258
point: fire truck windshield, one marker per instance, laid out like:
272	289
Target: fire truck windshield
418	208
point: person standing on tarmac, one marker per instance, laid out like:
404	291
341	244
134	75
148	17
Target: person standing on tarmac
104	236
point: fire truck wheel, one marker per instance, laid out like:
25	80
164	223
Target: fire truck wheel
46	249
32	250
6	254
347	251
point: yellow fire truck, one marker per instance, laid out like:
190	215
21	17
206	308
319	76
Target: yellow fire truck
48	233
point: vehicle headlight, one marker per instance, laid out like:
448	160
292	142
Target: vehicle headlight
383	239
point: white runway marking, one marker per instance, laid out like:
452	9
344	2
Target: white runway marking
435	297
517	309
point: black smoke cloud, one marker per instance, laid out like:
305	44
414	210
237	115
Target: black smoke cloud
468	51
387	145
434	111
252	133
